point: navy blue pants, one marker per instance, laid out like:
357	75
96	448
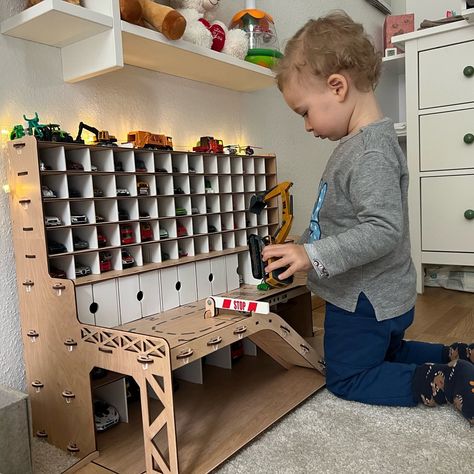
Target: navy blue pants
367	360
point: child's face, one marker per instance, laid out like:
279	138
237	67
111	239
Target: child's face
321	103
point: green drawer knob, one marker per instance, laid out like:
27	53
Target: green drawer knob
469	139
469	214
468	71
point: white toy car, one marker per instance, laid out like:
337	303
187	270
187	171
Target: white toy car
105	415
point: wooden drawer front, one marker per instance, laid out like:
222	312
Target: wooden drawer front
447	140
443	202
442	81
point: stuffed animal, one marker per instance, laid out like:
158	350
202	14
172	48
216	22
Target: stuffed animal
34	2
203	31
146	12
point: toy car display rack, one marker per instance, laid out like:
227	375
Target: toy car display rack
192	430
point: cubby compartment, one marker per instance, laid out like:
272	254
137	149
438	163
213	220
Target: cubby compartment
238	202
199	225
136	252
262	218
227	222
196	185
52	159
210	164
78	160
168	225
144	162
181	185
103	186
225	184
211	184
124	161
185	248
248	165
166	207
146	185
164	185
184	227
236	165
82	212
237	184
198	205
110	260
214	223
263	231
58	266
80	186
239	220
201	245
182	206
163	163
169	251
149	231
259	165
195	164
106	211
223	164
240	238
251	219
215	242
108	235
260	184
249	183
54	187
212	204
228	240
151	253
147	208
86	264
179	163
59	209
127	209
226	203
245	268
84	238
129	234
126	185
103	160
59	241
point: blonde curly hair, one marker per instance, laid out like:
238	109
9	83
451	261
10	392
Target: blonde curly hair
332	44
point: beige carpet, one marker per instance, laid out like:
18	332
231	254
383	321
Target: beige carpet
328	435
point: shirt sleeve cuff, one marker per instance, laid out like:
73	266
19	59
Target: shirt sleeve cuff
314	257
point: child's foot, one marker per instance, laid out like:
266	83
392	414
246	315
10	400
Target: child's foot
458	350
437	384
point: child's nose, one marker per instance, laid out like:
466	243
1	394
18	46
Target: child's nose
307	125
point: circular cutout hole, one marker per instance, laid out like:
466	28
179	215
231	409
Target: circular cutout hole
93	308
178	285
211	277
140	295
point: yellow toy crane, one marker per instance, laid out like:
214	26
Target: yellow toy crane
256	243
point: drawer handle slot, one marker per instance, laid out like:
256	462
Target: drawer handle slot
468	139
468	71
469	214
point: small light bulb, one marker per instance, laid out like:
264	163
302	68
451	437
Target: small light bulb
6	188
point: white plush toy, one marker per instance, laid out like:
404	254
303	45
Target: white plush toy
203	31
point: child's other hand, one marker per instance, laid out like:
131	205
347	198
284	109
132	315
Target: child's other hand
291	255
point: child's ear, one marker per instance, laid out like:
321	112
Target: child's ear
338	85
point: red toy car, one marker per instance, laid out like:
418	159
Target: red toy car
182	232
146	232
101	239
127	259
127	236
105	261
209	145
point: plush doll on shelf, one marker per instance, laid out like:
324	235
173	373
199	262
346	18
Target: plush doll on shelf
164	19
202	30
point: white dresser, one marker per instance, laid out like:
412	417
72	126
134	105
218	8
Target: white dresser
440	144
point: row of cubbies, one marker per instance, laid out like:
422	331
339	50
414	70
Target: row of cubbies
111	209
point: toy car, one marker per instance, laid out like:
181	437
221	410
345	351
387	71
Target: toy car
143	215
165	256
160	170
44	167
194	210
127	236
127	259
181	230
105	261
74	193
211	228
50	221
182	253
118	166
208	186
178	190
82	270
123	192
123	215
105	415
80	244
79	219
101	239
209	145
181	211
143	188
73	165
164	233
94	168
56	272
146	232
47	193
98	192
99	218
55	247
140	166
192	170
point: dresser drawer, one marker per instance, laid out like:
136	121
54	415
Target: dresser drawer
447	140
444	200
444	75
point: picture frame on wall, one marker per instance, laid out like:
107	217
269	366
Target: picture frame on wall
385	6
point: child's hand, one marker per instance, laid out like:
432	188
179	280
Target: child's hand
291	255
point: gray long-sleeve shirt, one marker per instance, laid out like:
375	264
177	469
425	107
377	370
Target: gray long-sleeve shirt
359	227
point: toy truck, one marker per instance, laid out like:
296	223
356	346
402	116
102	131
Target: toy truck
209	145
154	141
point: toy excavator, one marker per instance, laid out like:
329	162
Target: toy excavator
102	137
256	243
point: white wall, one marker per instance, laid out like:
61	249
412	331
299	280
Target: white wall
133	98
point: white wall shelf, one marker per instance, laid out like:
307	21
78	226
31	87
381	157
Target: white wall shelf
97	26
468	14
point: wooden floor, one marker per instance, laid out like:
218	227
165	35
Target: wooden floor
441	315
